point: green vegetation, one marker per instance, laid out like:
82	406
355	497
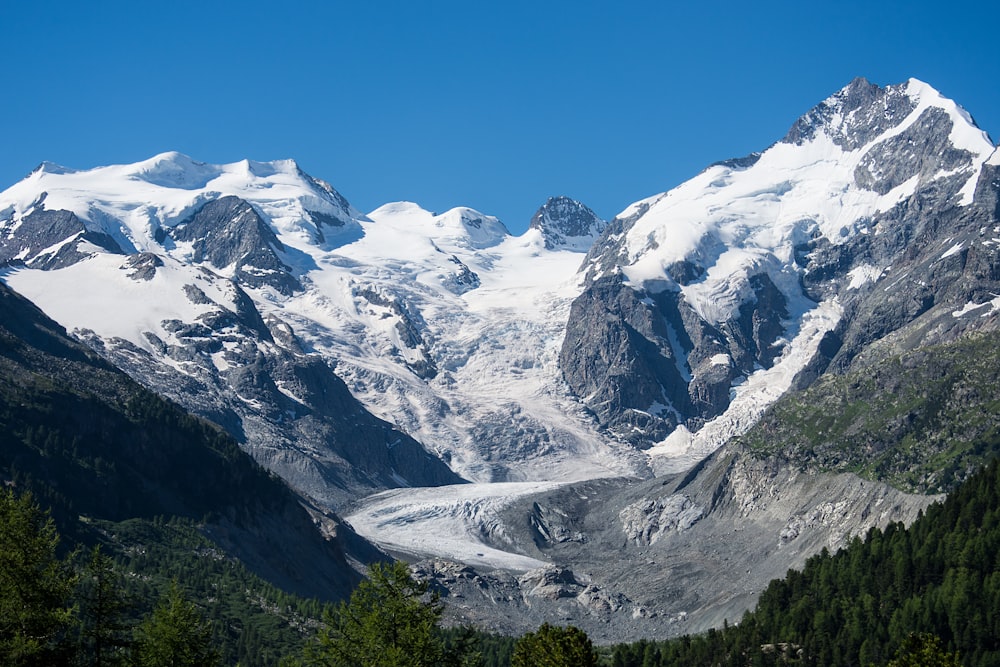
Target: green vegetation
391	620
95	610
174	635
253	622
924	650
552	646
35	586
860	606
922	421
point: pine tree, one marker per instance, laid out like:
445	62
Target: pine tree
104	634
552	646
35	586
175	635
389	621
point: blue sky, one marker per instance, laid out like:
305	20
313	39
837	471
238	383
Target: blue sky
493	105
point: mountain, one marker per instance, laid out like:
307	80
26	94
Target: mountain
255	296
704	303
847	275
567	223
94	445
562	396
167	298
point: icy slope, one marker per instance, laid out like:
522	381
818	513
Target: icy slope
450	327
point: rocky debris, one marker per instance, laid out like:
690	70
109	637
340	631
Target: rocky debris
554	525
646	521
677	554
506	602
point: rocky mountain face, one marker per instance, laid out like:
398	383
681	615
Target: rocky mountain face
92	444
566	223
878	201
201	338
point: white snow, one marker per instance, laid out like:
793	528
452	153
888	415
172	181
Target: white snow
863	274
954	250
97	294
736	221
683	449
720	360
446	521
129	202
994	159
972	307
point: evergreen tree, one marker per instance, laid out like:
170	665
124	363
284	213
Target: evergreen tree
389	621
35	586
552	646
104	633
924	650
174	635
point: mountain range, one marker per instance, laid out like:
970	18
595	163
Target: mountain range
631	424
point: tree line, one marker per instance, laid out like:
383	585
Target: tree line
76	609
928	594
934	586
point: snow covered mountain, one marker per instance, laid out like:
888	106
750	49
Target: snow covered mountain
354	353
237	289
705	302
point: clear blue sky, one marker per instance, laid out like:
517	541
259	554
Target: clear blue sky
493	105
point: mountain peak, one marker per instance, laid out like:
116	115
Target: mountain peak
567	224
855	115
862	112
463	226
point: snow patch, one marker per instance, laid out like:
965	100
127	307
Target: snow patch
954	250
682	449
971	307
863	274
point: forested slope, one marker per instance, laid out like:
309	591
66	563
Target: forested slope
858	606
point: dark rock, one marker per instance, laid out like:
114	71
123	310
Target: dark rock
228	232
42	230
142	265
565	222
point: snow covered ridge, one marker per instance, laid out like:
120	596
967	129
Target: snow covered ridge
132	202
839	166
